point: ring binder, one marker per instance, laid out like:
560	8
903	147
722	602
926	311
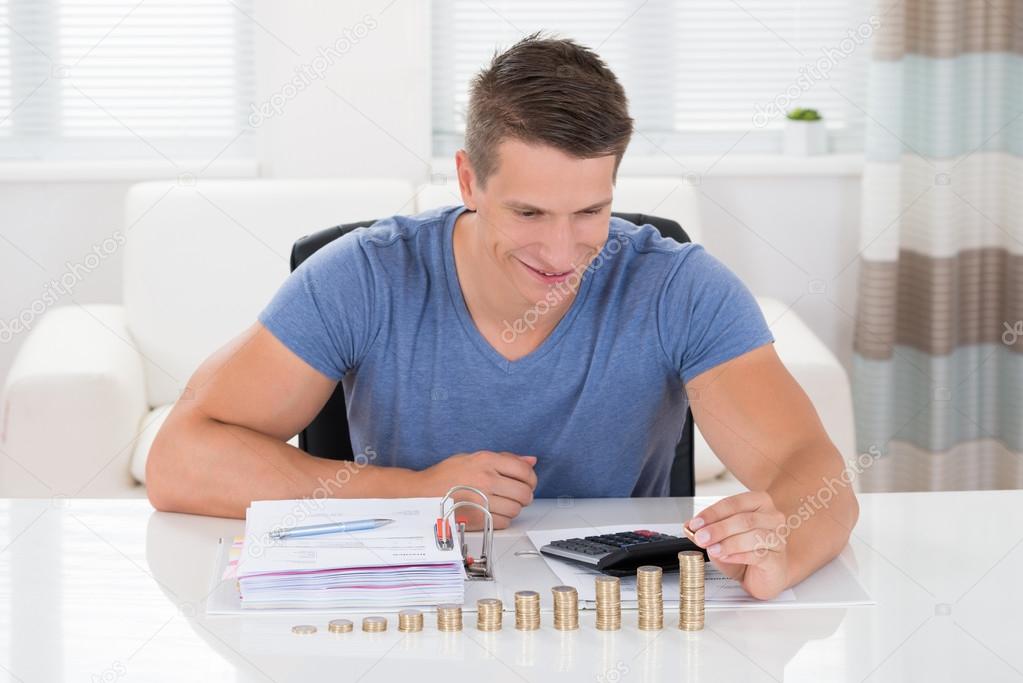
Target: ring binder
476	569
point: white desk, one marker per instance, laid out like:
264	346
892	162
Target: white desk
110	590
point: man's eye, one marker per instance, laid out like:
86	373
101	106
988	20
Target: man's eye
526	214
592	212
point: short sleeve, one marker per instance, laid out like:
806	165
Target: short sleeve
325	310
706	315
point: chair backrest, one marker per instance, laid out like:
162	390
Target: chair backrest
327	435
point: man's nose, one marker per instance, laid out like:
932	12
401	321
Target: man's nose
559	246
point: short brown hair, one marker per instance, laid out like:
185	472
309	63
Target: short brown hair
550	91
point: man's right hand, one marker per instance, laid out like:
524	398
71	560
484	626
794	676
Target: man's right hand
507	479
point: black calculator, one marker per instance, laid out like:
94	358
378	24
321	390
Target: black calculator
621	553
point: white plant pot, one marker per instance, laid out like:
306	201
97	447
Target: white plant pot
805	138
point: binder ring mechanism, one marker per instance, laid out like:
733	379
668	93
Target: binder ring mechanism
476	568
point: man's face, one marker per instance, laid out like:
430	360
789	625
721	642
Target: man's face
542	211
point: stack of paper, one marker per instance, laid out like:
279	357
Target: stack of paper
397	565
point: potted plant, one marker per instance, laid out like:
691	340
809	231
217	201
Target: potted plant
805	133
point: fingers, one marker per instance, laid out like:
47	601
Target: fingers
513	489
726	507
740	522
754	541
518	467
505	505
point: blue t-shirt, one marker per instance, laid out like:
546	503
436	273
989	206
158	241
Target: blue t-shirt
601	402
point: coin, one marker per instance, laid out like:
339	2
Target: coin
649	598
527	610
691	582
488	614
449	617
303	629
410	620
340	626
566	608
609	603
374	624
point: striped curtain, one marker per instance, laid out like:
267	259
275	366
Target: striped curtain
938	365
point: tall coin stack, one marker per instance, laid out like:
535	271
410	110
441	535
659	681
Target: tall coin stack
650	598
410	620
566	608
527	610
609	603
488	614
690	590
449	617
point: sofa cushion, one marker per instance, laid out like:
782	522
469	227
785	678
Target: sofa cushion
202	259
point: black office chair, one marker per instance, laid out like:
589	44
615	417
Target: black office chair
327	435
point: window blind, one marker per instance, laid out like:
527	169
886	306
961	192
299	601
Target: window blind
123	78
696	73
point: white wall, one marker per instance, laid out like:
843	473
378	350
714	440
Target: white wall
777	227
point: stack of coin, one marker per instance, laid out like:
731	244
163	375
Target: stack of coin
410	620
690	590
340	626
566	608
374	624
527	610
303	630
609	603
449	617
488	614
650	598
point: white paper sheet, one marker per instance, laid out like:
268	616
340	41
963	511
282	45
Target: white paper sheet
397	565
409	540
833	585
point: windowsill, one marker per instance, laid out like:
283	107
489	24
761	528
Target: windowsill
731	165
129	170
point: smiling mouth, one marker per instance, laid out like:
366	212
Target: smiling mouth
545	273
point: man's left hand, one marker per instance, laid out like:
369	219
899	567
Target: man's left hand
742	536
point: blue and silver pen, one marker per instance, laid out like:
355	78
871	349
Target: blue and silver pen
331	528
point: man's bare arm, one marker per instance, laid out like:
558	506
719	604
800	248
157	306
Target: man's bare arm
763	427
223	444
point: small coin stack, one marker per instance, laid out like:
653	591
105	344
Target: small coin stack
609	603
527	610
566	608
690	590
410	620
449	617
374	624
340	626
488	614
303	630
650	598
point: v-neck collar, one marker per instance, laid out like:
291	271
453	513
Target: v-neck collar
469	325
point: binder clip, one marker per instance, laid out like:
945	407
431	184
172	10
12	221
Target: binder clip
476	568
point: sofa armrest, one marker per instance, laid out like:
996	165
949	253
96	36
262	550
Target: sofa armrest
817	371
72	406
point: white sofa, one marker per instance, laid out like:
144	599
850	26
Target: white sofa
92	384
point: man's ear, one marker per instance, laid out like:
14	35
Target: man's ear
466	179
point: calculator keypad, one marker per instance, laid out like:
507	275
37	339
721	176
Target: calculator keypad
597	546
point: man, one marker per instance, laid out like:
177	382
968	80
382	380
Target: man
525	343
